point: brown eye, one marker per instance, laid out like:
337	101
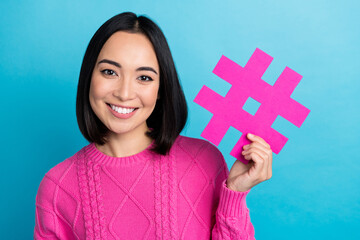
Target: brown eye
145	78
109	72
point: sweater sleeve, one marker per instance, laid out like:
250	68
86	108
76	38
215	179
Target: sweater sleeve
46	221
232	220
48	224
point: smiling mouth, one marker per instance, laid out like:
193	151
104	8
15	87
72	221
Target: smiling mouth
121	109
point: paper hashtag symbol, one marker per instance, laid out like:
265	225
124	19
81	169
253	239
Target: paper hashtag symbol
246	82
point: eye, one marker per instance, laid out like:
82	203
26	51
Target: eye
145	78
109	72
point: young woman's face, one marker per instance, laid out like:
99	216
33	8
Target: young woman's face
125	83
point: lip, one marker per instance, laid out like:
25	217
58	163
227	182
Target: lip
121	115
120	105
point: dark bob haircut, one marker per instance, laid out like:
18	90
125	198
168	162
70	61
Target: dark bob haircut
170	112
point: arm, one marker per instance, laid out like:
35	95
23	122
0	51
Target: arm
45	224
232	216
232	219
46	221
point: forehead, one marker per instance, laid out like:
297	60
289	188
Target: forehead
129	49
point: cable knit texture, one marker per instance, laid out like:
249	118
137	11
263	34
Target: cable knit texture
182	195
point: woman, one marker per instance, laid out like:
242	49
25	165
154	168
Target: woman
138	178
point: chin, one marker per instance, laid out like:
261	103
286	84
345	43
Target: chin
121	130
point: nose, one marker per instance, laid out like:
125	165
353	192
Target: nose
124	89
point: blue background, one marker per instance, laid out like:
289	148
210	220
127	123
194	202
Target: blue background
314	192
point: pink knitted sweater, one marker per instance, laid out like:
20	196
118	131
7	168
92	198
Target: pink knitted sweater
145	196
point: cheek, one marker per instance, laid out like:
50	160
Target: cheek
152	95
96	94
92	99
97	89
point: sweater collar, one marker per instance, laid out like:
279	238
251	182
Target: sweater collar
101	158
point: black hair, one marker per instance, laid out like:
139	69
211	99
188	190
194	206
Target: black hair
170	113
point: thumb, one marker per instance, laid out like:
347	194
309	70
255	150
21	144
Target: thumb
257	167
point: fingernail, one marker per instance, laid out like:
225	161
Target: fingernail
250	135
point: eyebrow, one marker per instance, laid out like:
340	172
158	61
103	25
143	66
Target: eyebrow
119	66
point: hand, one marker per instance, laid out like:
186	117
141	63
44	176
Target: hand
242	176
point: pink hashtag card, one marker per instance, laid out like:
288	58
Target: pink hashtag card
246	82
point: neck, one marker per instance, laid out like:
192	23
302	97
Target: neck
123	145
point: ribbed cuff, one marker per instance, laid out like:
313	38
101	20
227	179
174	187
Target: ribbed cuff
232	203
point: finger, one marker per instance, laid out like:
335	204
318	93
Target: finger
268	162
266	173
258	139
258	145
270	167
256	170
260	151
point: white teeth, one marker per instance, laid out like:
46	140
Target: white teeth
122	110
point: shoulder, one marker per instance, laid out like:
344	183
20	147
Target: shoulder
62	176
192	146
62	169
198	149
